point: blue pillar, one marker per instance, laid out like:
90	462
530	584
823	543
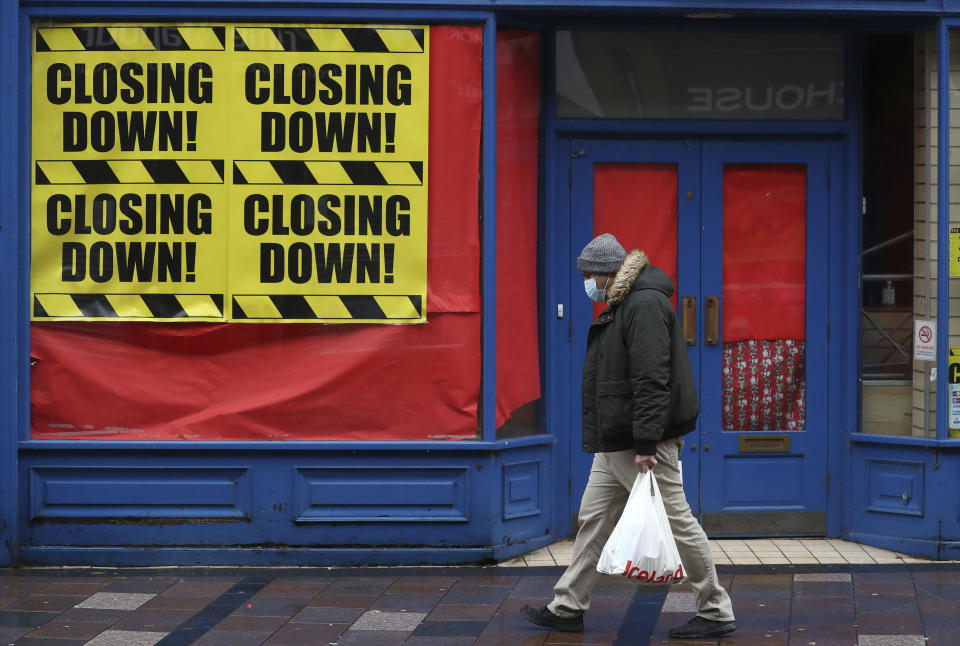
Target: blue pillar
489	230
943	225
11	309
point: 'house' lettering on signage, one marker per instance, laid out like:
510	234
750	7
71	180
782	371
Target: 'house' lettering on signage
784	98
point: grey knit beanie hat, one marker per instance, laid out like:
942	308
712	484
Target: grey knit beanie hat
602	255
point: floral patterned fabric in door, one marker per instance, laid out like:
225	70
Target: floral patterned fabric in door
764	385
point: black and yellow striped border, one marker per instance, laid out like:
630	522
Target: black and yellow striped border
129	171
123	38
348	173
382	40
120	38
128	306
327	307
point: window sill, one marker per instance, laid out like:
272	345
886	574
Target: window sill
902	440
414	446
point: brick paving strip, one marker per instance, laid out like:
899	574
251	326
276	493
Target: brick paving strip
223	606
776	605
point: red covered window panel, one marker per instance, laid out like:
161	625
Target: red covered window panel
637	203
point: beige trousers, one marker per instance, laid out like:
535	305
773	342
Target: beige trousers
611	479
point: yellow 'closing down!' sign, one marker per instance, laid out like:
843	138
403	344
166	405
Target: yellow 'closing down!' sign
230	173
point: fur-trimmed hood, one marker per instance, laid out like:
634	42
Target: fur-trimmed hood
628	278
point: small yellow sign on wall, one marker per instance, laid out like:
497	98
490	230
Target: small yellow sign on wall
953	385
955	252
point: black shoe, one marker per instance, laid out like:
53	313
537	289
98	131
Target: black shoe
543	617
698	628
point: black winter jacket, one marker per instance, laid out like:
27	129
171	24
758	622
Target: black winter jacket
638	386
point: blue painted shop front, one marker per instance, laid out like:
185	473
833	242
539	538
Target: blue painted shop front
455	501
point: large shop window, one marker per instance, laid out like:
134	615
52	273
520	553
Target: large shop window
699	75
300	381
899	176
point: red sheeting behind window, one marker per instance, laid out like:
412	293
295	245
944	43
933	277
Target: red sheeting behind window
764	251
637	203
299	382
518	124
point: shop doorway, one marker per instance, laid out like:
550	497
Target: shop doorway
742	228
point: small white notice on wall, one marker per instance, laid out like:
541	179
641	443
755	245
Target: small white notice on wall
925	340
953	376
954	409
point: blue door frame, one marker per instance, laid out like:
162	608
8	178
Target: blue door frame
734	479
699	202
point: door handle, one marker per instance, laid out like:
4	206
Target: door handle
689	317
711	312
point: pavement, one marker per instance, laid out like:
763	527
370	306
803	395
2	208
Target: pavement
841	594
757	551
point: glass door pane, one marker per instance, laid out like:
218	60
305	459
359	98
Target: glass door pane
637	203
764	297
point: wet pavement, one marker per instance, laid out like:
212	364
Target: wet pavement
908	604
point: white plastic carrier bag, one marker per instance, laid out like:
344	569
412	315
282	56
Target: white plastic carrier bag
641	546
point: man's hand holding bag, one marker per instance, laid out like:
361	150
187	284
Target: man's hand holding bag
641	546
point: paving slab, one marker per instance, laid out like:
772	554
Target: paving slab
116	600
389	621
126	638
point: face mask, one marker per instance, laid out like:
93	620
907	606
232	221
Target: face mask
595	293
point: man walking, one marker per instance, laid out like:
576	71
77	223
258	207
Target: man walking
639	399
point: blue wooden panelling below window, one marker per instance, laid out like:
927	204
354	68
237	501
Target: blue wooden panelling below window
139	491
895	487
384	493
904	498
467	505
523	483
